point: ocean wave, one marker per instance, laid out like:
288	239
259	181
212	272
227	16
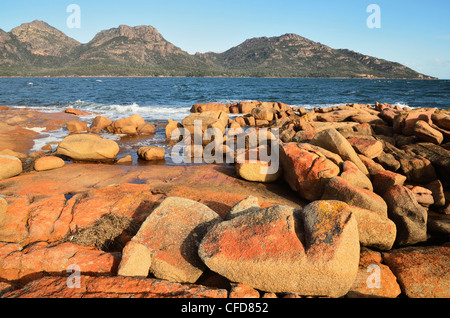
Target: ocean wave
133	108
54	136
117	111
402	105
136	108
148	112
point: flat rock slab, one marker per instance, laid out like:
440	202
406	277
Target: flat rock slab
38	217
13	132
41	259
218	187
113	287
48	207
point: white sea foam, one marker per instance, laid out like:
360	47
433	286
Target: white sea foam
149	113
133	108
49	137
55	136
115	111
402	104
36	129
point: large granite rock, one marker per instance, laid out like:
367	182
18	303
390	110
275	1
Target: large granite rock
314	251
9	167
306	169
87	147
408	215
332	140
339	189
172	234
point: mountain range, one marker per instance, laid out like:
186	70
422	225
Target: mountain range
38	49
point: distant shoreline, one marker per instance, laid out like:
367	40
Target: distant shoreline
43	50
249	77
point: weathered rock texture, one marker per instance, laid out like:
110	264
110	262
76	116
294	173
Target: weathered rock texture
314	251
88	147
172	234
354	175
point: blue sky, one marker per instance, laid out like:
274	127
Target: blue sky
414	33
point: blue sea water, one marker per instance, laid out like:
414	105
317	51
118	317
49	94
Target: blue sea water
159	99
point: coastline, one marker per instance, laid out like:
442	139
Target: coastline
45	212
269	77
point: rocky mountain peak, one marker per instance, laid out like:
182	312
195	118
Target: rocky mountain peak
44	40
37	48
27	30
36	24
291	37
143	33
